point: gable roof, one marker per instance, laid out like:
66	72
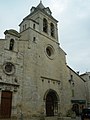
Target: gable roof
40	7
76	73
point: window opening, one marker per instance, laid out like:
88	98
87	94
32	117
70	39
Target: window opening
48	51
25	26
9	68
52	30
33	26
34	39
11	47
71	77
45	25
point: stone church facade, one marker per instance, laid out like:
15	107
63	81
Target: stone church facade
35	81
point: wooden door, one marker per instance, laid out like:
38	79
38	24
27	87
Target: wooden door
6	103
49	106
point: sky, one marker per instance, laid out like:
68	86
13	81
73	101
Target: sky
73	26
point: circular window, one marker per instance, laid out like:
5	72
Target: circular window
50	51
9	68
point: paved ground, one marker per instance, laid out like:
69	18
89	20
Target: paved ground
78	118
69	118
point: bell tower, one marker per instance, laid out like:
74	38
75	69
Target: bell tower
41	21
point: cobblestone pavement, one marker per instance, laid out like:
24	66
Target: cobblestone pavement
78	118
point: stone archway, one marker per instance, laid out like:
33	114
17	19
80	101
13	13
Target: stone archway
51	102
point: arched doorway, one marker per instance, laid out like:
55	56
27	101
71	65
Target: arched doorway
51	103
76	108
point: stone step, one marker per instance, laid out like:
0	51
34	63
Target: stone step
51	118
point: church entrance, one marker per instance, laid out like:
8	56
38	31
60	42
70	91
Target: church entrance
6	103
51	103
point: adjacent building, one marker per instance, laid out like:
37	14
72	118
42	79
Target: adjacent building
86	77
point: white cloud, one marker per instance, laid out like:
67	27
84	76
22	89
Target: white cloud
58	6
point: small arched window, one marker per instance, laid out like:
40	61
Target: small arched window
11	46
45	25
33	26
52	30
25	26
